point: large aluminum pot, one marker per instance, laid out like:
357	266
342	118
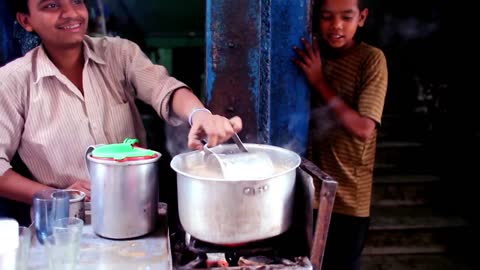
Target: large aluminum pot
124	196
235	211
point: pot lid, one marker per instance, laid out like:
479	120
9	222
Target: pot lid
126	151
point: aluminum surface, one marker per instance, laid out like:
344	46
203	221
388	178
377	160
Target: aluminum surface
124	197
227	212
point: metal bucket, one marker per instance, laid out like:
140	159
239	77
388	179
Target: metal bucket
124	196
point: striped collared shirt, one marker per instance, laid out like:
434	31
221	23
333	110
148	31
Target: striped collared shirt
45	117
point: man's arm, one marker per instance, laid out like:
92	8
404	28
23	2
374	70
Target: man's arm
183	102
174	101
215	129
16	187
12	185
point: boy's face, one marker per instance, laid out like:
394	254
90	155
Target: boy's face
59	23
339	20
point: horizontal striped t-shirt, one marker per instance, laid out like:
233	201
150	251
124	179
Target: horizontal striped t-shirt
360	79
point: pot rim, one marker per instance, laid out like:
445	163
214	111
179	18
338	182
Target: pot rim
80	197
255	146
124	163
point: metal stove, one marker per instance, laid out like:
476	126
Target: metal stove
298	248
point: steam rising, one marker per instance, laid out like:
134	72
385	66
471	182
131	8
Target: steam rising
406	29
177	139
321	123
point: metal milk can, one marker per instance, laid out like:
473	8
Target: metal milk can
124	189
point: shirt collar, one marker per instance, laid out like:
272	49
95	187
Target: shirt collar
44	67
90	53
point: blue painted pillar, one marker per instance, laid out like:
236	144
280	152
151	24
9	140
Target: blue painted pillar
250	72
6	33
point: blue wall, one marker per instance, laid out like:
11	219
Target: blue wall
14	40
7	51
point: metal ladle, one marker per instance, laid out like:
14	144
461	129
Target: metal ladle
209	152
243	164
235	138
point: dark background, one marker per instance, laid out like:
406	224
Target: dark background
430	49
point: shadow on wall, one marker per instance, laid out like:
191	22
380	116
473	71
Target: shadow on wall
7	50
14	40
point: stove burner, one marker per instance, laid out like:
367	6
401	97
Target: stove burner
262	246
299	248
194	254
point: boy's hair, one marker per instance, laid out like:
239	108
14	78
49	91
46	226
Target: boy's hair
362	4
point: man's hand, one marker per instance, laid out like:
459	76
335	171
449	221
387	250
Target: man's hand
215	129
83	186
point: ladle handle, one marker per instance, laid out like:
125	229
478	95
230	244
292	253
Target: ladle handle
239	143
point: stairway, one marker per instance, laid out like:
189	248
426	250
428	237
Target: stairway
410	227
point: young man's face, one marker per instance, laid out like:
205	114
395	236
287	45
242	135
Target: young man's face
59	23
339	20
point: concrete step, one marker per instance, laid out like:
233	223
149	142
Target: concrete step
416	262
402	218
415	241
415	230
406	153
420	166
403	157
404	189
403	126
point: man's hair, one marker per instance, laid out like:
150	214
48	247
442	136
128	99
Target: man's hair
19	6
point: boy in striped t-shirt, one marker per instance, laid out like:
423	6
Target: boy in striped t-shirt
349	82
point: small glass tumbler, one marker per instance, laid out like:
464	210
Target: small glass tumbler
48	206
63	245
23	250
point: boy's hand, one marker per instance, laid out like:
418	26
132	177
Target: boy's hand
215	128
310	62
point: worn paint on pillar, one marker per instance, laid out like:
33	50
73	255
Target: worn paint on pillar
290	99
249	68
233	37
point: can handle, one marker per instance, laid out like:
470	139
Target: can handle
89	151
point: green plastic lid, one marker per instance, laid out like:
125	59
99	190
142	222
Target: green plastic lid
126	151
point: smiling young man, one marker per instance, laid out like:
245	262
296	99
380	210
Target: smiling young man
74	91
